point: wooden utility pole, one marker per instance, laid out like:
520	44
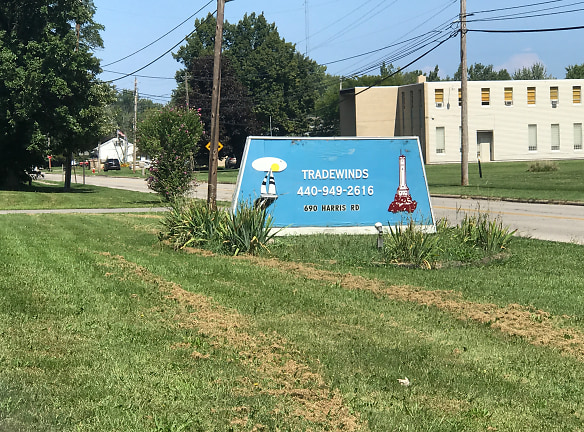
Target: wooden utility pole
187	89
463	95
216	97
135	123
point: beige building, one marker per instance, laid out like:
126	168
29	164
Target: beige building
507	120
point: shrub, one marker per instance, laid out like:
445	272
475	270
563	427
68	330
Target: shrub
170	137
489	235
247	230
475	238
171	175
192	223
411	245
543	166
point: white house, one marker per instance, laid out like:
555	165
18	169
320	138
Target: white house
115	148
508	120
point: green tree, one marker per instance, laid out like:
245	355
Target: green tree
537	71
481	72
237	119
575	72
48	83
122	112
170	137
284	85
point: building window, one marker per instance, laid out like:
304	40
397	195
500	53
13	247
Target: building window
577	136
554	94
440	140
532	137
508	96
439	97
485	96
576	92
555	137
530	95
459	97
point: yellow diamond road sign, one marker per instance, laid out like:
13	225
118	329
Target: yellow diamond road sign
219	146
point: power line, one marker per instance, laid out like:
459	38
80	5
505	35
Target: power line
140	76
515	7
525	15
407	65
162	55
161	37
417	39
527	30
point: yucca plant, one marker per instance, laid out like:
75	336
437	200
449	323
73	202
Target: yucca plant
410	245
489	235
247	230
191	223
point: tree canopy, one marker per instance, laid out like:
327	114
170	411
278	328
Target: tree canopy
237	120
48	84
575	72
282	84
537	71
121	111
481	72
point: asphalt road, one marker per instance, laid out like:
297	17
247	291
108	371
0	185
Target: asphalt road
224	191
564	223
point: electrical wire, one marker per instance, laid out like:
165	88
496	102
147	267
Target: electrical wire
354	23
528	30
163	36
418	44
162	55
415	40
515	7
524	16
407	65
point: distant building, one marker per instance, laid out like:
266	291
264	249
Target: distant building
507	120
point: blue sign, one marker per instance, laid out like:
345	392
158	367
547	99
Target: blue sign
335	182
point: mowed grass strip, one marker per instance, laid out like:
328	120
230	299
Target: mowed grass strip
511	180
116	332
49	195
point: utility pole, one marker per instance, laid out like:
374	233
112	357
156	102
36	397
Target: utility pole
464	98
187	89
135	123
216	97
306	28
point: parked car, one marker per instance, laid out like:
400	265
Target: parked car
111	164
230	162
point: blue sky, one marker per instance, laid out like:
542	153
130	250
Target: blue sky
340	29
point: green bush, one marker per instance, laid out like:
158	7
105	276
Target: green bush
543	166
193	223
475	238
248	230
488	235
411	245
170	136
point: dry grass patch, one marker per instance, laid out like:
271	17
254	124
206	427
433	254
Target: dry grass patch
536	326
277	367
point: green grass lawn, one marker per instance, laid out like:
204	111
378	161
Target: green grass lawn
511	180
51	196
105	329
